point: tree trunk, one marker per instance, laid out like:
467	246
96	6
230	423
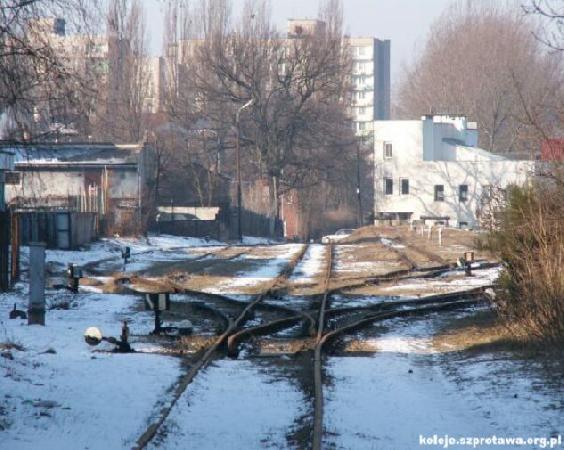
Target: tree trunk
274	206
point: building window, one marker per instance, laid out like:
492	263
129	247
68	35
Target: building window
439	193
463	193
404	183
388	186
12	178
387	150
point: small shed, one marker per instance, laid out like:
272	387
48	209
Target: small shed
113	182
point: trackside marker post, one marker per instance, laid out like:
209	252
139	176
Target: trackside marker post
36	309
157	302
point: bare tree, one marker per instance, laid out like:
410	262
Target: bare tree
124	117
551	13
295	89
474	60
35	74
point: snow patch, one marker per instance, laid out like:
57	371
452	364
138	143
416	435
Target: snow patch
105	400
234	404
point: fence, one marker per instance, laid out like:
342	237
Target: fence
62	230
184	221
195	228
4	250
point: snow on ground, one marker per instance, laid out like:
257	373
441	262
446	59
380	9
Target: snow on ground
234	404
297	302
376	403
406	389
353	301
77	397
390	243
162	242
271	266
253	240
97	251
143	252
312	265
167	242
452	282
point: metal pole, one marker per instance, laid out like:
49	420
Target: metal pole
239	194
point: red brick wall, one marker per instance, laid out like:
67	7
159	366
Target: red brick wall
552	150
290	212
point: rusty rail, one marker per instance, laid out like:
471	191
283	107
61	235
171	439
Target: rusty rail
317	363
372	313
207	357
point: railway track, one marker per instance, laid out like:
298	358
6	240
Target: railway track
207	355
354	318
325	326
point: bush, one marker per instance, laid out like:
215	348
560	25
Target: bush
530	244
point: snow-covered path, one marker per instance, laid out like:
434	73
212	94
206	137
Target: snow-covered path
407	389
267	264
237	405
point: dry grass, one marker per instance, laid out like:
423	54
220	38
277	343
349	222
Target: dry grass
530	242
365	261
471	336
420	249
195	343
478	332
11	345
284	346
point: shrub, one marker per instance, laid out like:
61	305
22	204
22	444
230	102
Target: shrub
530	244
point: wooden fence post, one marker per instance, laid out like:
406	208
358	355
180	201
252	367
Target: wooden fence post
4	250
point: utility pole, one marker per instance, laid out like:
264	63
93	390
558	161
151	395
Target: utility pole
358	194
239	193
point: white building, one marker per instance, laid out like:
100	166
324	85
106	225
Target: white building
370	81
431	169
370	75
